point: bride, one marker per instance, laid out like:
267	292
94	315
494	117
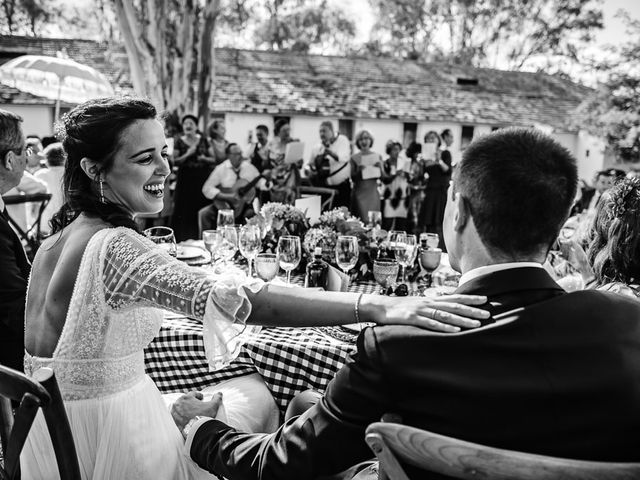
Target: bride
97	291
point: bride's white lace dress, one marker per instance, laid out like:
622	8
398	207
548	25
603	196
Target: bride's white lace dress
121	426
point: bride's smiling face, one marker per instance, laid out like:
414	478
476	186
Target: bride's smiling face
140	167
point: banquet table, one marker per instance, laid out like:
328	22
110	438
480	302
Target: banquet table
290	360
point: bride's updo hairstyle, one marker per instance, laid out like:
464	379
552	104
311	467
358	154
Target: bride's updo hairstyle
93	130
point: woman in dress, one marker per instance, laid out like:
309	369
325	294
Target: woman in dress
98	286
285	176
417	184
395	193
365	196
439	171
217	142
191	156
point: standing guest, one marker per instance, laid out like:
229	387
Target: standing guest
35	159
395	196
330	165
285	176
23	214
217	143
13	260
447	138
257	152
365	196
439	171
220	188
52	176
590	197
191	156
417	184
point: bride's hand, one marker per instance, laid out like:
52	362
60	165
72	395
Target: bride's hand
443	314
191	405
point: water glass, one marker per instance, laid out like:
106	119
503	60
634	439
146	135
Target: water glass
385	271
267	266
430	260
225	217
289	253
250	242
164	238
375	218
347	252
228	243
431	239
395	242
212	239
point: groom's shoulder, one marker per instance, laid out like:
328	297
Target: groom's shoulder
597	302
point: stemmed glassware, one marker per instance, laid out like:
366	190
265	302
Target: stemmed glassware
211	239
164	238
225	217
228	243
430	260
385	271
347	252
250	242
406	254
395	242
375	218
431	239
289	254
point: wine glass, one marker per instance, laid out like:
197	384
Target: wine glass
267	266
385	271
375	218
164	238
225	217
347	252
431	239
250	241
430	260
228	243
211	239
406	254
395	242
289	254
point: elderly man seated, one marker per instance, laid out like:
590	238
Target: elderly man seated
551	372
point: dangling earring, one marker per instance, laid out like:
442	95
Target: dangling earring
101	190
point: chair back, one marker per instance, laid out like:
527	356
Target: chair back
326	194
41	391
32	235
394	443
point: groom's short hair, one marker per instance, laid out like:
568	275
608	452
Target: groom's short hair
519	185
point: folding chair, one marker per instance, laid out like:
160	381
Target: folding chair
32	236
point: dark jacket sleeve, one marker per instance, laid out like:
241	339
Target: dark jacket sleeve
328	438
13	281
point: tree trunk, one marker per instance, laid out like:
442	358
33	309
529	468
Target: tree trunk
207	61
129	28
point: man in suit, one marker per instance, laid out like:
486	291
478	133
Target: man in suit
13	260
551	372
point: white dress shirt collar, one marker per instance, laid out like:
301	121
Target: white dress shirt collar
1	203
496	267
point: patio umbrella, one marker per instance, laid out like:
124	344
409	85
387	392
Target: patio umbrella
59	79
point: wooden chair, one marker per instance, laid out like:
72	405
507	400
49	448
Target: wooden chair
32	235
326	194
41	391
394	443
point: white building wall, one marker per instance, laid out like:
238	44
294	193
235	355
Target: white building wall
38	119
590	153
239	125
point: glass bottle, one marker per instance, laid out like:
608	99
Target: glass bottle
317	271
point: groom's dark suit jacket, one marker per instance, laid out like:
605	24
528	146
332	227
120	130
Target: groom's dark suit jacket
556	374
14	274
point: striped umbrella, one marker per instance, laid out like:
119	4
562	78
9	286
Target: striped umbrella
59	79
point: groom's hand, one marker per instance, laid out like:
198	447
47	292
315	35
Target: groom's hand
191	405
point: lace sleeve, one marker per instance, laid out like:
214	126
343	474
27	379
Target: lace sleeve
137	273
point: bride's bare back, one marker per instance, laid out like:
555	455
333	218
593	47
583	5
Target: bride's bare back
53	275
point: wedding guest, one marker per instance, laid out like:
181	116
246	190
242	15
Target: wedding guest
447	139
52	177
365	196
285	176
221	189
258	152
13	260
217	143
24	214
191	156
99	288
330	165
395	196
439	170
35	158
591	196
537	377
418	178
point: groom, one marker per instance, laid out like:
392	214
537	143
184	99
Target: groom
554	373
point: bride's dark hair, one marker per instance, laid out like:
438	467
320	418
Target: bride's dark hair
93	130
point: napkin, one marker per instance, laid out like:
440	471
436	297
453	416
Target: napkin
337	281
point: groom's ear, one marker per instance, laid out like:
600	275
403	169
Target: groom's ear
90	168
461	212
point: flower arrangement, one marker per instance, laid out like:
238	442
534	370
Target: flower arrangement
277	219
